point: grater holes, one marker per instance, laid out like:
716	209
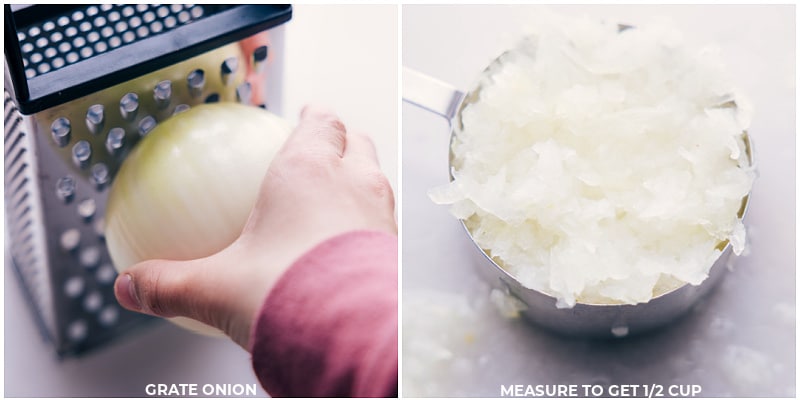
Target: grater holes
89	257
170	22
93	302
100	47
41	42
14	144
196	11
95	117
109	315
149	17
78	330
56	37
146	125
105	274
196	81
73	287
121	26
60	130
183	17
180	108
58	62
115	141
162	11
99	22
65	188
70	239
21	200
142	31
99	176
156	27
129	106
128	37
81	153
87	208
112	25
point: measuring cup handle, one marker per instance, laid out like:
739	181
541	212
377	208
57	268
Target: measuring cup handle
431	94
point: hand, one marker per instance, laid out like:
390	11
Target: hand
324	182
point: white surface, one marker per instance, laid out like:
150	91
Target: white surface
344	58
740	342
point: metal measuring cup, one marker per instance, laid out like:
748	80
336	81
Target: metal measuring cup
584	319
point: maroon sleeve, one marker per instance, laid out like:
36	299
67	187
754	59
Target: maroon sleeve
329	326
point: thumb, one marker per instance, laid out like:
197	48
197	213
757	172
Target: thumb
159	287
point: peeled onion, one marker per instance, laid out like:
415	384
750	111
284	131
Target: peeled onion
187	189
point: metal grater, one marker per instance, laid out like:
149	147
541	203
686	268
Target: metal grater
83	84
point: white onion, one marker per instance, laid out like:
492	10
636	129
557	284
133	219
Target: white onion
598	166
186	190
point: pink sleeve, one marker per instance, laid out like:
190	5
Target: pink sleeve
329	326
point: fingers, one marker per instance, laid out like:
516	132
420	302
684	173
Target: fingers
160	287
321	130
361	147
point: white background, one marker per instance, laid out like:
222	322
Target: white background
740	342
340	57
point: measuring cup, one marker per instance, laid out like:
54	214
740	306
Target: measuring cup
584	319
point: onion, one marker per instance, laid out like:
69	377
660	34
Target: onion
186	190
602	166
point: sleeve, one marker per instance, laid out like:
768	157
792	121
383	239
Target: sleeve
329	326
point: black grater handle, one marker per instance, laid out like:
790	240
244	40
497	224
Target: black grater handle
225	25
16	71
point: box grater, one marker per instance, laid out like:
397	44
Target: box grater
83	83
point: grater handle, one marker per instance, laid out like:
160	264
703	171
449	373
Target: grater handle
430	94
15	71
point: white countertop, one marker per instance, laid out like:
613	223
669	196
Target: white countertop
739	342
341	57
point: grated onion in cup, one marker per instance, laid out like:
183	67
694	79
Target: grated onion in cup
601	165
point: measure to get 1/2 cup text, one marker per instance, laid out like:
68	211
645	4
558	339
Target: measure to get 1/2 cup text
574	390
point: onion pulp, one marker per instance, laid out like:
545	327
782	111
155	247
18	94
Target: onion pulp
600	165
187	189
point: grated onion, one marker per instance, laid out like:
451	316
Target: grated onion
603	166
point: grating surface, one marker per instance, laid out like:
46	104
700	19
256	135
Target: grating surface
69	38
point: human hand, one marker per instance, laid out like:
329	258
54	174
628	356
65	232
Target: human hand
324	182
